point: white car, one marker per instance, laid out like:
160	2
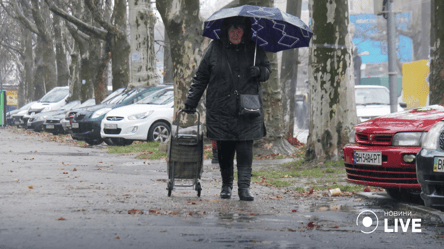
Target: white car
373	101
148	119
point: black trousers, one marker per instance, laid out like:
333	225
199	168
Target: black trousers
227	150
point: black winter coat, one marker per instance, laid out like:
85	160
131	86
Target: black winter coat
223	121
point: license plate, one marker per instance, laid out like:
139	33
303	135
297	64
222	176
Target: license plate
110	126
75	125
367	157
49	126
438	165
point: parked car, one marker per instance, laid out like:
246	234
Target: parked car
54	125
373	101
382	151
51	101
430	166
148	119
85	125
10	114
17	118
36	121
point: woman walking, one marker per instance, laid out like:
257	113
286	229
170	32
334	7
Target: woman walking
228	70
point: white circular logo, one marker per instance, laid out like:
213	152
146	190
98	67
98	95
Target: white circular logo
365	218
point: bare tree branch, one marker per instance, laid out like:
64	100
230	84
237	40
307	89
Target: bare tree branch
86	28
99	18
23	19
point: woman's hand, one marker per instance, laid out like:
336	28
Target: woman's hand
254	71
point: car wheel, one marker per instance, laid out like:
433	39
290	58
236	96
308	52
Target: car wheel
159	132
108	141
394	193
121	141
96	141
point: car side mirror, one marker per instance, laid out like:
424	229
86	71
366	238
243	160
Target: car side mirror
403	105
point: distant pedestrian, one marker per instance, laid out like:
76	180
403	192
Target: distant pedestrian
227	69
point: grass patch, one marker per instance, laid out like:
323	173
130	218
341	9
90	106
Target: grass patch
300	189
348	188
296	164
330	170
339	163
147	150
278	183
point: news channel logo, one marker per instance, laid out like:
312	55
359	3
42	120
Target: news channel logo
365	220
394	222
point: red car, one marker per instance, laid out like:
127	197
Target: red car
382	151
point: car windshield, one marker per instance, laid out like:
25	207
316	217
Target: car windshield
55	96
120	97
375	96
161	98
89	102
70	105
113	94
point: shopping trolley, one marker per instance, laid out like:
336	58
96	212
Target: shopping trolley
185	153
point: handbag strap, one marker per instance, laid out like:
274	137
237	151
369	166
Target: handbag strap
231	73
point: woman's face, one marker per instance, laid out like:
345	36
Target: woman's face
235	34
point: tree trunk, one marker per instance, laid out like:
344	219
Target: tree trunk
184	29
437	54
143	58
46	68
289	75
62	63
120	48
74	68
28	63
333	108
275	141
167	62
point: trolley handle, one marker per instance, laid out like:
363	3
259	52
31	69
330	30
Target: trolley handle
177	124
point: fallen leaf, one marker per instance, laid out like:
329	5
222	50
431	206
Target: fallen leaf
367	189
135	211
117	237
61	218
152	211
334	227
65	173
323	209
310	225
294	211
311	191
30	187
75	169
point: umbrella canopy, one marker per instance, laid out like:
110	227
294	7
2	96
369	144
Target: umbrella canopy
271	28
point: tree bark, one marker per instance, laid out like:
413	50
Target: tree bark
143	58
62	63
28	65
331	83
437	54
289	75
184	29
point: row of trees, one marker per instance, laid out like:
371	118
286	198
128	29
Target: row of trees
95	33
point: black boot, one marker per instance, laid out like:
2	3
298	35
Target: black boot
226	172
215	160
243	183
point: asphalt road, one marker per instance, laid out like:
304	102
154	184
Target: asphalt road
58	195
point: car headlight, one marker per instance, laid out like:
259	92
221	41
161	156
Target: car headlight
140	115
430	140
407	139
41	118
100	112
351	136
46	109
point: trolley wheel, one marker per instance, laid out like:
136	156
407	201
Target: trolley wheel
170	188
198	189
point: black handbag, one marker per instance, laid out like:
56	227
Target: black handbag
249	104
